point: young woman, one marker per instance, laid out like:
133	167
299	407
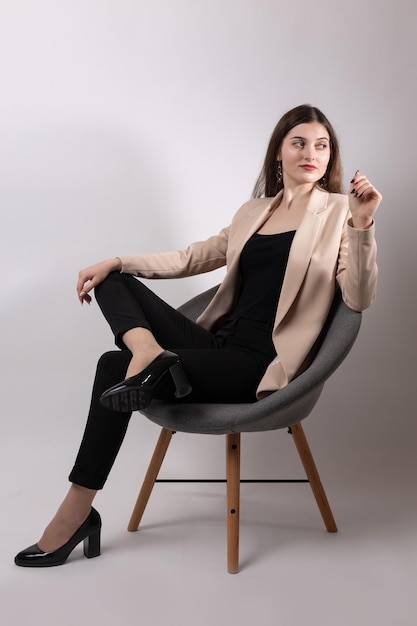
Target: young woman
286	250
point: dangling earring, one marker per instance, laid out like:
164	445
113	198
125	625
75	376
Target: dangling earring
279	172
323	182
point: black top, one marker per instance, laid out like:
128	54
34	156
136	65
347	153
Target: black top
263	262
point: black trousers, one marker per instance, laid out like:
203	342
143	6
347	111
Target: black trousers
225	366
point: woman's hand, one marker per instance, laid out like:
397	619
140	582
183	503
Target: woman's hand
92	276
364	200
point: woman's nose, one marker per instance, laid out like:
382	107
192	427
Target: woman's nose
309	153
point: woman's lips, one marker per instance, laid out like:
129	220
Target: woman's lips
309	168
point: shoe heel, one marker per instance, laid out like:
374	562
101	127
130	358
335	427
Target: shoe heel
182	386
92	545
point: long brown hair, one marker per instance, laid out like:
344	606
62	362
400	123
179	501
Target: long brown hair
268	184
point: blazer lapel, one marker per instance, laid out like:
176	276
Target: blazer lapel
301	251
247	226
250	225
262	217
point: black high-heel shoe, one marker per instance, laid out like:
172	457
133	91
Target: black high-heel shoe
89	532
136	393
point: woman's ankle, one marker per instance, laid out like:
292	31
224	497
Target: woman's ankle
59	530
140	361
70	515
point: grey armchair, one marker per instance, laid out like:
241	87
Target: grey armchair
285	408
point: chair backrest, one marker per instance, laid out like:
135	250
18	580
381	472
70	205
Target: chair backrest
333	345
281	409
195	306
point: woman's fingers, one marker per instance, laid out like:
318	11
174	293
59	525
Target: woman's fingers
360	186
84	297
86	282
92	276
358	181
364	199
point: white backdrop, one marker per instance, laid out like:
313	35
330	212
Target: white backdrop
138	126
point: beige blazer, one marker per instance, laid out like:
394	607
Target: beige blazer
325	251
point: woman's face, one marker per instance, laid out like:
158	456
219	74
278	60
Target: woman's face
305	154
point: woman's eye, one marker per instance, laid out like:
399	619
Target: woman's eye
301	144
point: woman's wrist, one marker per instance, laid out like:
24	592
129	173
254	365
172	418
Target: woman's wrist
118	263
114	264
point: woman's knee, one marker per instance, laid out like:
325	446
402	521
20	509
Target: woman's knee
110	282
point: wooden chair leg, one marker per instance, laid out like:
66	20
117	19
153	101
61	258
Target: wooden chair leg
150	478
233	500
310	468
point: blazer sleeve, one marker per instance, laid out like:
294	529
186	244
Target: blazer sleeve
357	271
198	258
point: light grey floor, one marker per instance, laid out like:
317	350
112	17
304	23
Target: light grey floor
173	571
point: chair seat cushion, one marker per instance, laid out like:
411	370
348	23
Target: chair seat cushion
280	409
